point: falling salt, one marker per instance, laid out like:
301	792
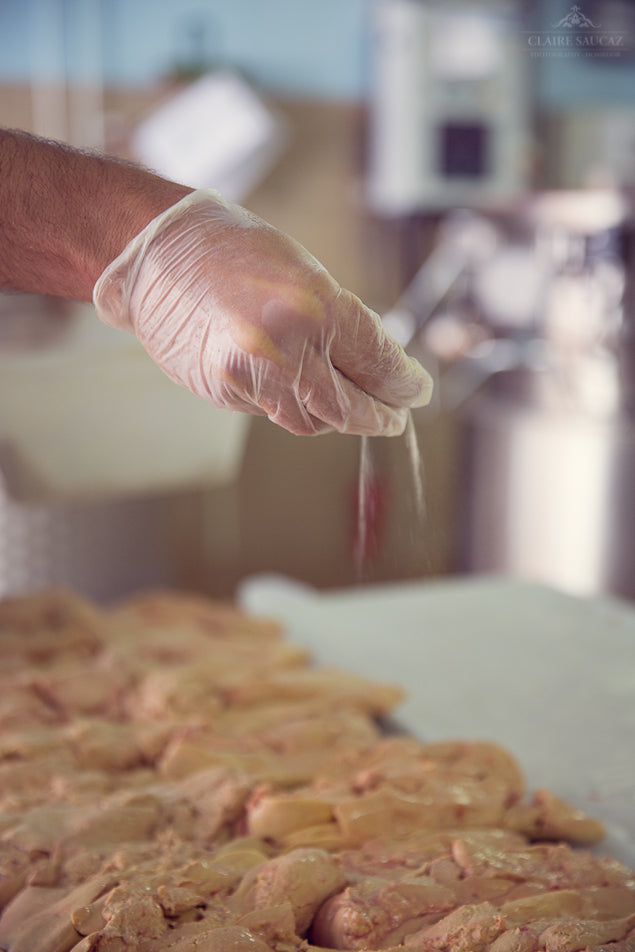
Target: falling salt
416	468
365	489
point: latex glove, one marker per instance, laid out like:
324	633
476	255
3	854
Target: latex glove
241	314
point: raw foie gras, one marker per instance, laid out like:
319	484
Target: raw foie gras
175	776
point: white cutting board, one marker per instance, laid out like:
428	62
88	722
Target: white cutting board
549	676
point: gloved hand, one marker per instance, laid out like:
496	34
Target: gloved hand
242	315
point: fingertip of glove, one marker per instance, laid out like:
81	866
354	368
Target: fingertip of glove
426	385
396	426
412	387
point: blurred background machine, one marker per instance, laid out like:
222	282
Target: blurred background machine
524	302
445	162
449	106
527	315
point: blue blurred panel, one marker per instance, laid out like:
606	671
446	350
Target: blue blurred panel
584	81
14	43
299	47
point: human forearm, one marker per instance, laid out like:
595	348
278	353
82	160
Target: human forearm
65	215
225	304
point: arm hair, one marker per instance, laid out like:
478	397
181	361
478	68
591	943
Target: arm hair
66	214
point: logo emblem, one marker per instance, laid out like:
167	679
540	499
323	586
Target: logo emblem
574	20
576	35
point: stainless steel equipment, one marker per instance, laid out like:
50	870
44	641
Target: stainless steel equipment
550	492
535	340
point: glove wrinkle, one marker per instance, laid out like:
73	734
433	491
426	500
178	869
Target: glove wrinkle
246	318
